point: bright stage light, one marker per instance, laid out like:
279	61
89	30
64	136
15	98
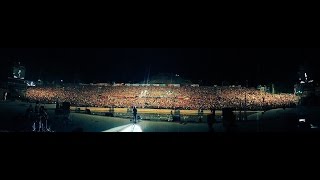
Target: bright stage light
132	128
126	128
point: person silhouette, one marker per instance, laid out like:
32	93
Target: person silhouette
19	73
135	114
5	96
211	119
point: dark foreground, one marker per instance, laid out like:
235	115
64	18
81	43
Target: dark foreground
276	120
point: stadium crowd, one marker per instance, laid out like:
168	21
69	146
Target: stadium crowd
203	97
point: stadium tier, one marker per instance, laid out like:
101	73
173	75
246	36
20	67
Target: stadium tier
161	97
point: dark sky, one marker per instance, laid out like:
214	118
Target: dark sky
131	64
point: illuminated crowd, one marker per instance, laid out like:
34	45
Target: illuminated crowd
202	97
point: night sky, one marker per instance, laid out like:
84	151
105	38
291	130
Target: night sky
263	65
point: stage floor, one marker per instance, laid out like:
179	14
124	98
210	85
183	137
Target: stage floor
270	121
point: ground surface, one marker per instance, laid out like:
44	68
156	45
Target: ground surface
271	121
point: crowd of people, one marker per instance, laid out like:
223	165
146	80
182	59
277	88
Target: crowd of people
38	117
203	97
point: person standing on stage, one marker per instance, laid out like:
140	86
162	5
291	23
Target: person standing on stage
135	114
211	119
5	96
